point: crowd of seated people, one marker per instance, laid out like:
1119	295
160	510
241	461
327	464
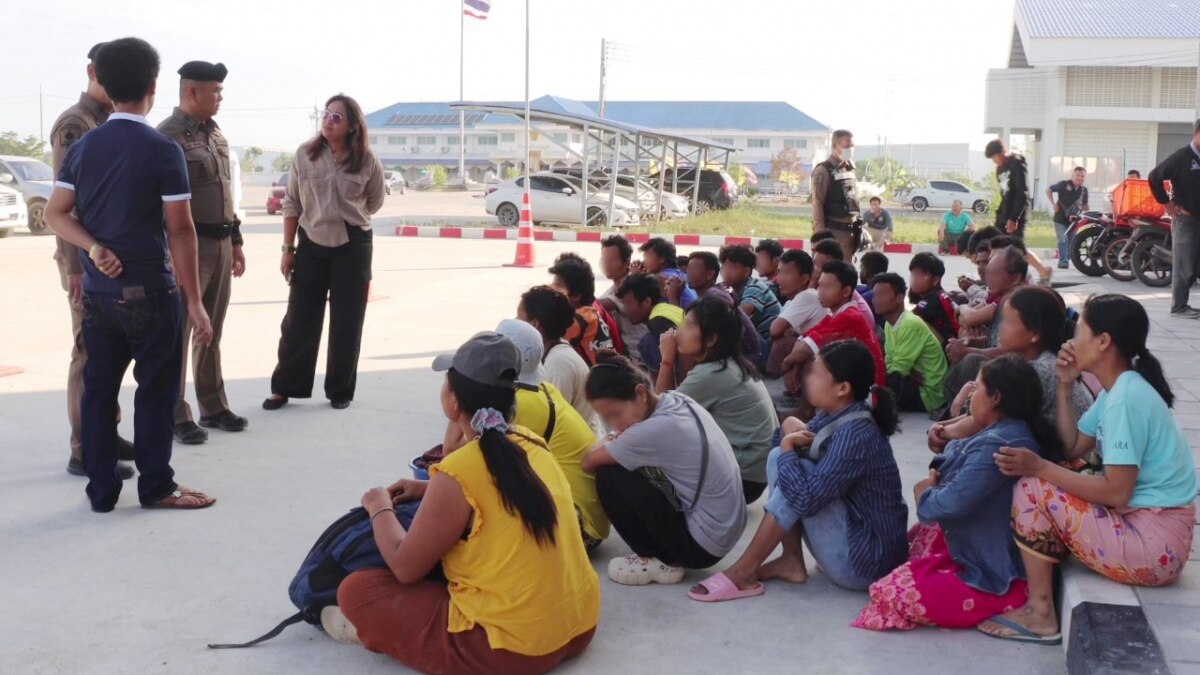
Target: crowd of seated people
656	409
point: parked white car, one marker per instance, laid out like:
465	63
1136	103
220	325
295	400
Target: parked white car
393	181
13	213
34	179
641	191
940	194
556	199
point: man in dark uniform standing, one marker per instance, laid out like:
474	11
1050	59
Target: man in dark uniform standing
835	195
219	241
92	110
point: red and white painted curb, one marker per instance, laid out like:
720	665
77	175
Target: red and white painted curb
571	236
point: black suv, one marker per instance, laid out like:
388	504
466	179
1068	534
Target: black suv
717	188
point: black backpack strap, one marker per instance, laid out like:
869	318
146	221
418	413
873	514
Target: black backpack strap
553	416
293	619
703	454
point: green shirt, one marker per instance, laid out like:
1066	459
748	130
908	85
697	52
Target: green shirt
910	346
956	224
743	409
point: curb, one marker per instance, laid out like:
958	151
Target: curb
1104	627
707	240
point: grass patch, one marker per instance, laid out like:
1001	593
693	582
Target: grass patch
751	220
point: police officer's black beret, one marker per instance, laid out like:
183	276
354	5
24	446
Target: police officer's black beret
95	48
203	71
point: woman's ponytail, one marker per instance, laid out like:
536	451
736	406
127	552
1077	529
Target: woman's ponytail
1149	367
885	411
521	490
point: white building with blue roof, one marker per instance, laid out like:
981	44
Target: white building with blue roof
1106	84
416	135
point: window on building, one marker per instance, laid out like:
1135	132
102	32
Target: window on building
508	137
560	138
763	143
452	140
795	143
724	140
373	139
397	140
426	140
486	140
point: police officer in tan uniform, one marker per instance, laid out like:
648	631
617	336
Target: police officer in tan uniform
91	111
219	241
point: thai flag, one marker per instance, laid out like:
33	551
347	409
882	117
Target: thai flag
477	9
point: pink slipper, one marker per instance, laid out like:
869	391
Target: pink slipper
721	588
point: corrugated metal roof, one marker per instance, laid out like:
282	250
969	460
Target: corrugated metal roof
733	115
1111	18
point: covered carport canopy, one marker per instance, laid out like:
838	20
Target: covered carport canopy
620	145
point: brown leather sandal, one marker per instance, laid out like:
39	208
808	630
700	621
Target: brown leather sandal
183	499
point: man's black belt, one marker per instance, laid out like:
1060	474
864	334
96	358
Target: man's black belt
209	231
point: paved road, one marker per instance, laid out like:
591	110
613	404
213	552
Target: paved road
136	591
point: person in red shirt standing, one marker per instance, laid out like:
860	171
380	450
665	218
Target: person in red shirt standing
845	322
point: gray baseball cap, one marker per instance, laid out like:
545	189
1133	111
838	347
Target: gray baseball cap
488	358
529	343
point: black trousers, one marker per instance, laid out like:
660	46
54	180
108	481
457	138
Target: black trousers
752	490
647	521
907	391
343	274
146	331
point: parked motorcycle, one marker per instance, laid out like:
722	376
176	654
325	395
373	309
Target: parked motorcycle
1090	235
1151	257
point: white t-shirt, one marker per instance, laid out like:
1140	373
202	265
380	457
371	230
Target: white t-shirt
670	440
804	311
566	370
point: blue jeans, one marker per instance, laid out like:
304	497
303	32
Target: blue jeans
826	533
1060	230
148	332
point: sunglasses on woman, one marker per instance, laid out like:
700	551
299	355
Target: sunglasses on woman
334	117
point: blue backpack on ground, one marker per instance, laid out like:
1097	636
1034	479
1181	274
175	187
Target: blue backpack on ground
346	546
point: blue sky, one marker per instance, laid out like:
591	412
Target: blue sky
911	71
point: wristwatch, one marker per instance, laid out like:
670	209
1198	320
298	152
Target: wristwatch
288	249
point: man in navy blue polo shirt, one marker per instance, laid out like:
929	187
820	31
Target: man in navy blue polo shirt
120	179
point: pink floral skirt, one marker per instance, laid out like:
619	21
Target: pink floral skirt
1139	547
926	591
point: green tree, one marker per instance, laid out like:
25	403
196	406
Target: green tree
250	159
12	144
888	172
437	173
786	167
512	173
737	171
283	162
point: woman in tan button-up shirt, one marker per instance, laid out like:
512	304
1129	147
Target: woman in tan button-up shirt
336	184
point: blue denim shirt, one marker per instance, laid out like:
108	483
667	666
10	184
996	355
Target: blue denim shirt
973	504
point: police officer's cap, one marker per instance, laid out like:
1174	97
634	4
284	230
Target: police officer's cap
95	50
203	71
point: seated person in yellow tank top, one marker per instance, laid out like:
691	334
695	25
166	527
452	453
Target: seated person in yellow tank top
520	595
543	409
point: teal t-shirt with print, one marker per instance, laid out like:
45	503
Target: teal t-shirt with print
1133	426
955	225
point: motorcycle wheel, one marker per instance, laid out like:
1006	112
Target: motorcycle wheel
1111	259
1081	252
1149	265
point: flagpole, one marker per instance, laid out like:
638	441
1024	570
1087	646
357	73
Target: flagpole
528	170
462	114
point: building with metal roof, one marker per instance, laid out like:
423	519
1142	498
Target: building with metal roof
415	135
1109	85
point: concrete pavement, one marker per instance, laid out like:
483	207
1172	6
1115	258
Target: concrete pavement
136	591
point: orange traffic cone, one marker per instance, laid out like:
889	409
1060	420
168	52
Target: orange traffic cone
525	257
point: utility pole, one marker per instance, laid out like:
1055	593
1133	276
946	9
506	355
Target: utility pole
41	118
462	114
603	72
315	116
